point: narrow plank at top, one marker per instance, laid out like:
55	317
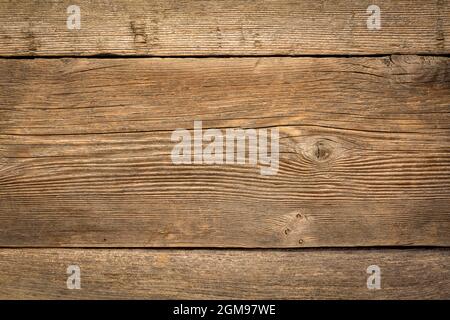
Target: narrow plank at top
231	27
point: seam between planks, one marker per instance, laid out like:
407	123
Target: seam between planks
315	56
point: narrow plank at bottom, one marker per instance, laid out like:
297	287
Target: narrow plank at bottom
225	274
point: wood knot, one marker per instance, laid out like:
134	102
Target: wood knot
320	150
138	30
33	43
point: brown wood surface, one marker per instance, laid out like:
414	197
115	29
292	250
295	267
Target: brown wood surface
224	274
86	174
85	152
231	27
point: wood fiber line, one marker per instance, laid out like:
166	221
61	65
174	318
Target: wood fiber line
231	27
224	274
364	152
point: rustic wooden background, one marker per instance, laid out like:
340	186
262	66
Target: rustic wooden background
86	176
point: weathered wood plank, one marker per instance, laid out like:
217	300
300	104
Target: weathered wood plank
364	152
224	274
231	27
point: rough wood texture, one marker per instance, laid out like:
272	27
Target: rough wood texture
231	27
224	274
85	152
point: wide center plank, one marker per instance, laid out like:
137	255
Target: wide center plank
85	152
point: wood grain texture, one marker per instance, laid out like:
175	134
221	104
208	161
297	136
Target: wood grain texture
231	27
364	152
224	274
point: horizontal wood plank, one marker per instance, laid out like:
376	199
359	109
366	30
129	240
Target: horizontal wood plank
224	274
231	27
85	150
